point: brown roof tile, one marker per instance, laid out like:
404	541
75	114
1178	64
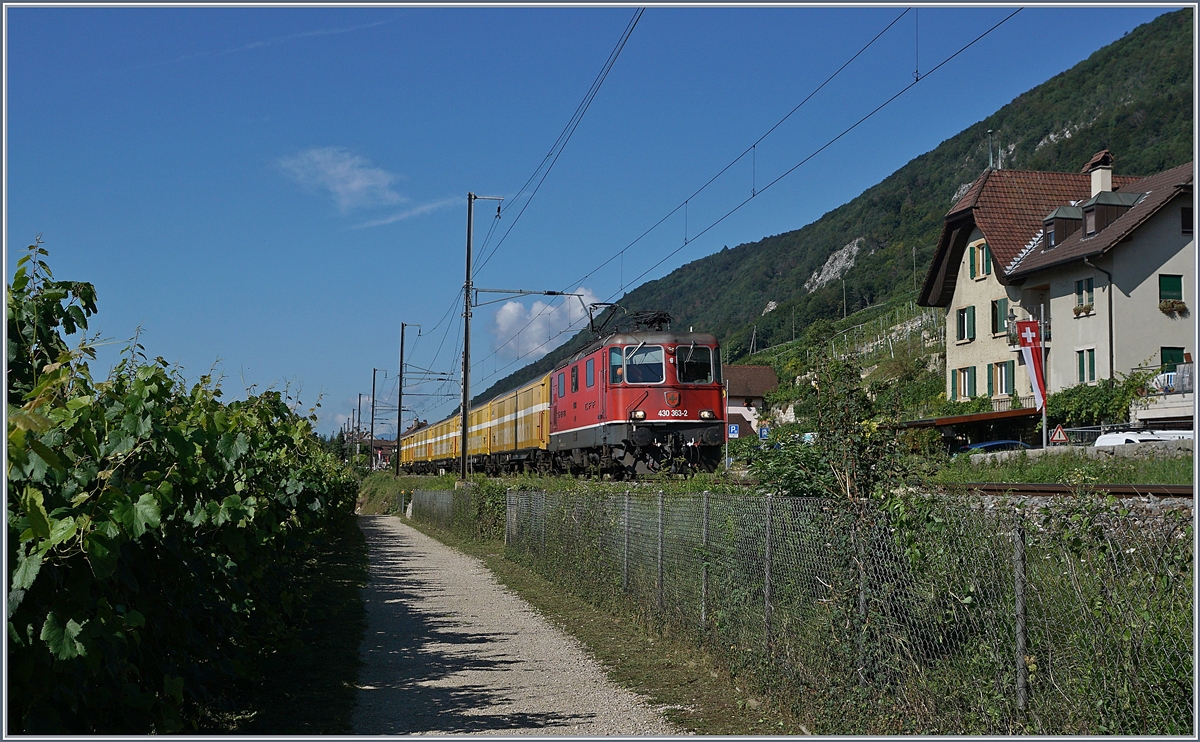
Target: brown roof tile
1159	189
750	381
1008	207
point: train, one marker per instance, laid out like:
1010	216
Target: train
629	403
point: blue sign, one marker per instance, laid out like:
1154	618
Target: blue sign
763	432
733	430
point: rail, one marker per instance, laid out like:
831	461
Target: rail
1053	490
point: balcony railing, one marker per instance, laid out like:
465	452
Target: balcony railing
1003	404
1181	380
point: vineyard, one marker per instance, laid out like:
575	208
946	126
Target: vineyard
160	540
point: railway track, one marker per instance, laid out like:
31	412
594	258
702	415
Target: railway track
1049	489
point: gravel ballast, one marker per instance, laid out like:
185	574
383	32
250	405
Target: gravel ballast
448	650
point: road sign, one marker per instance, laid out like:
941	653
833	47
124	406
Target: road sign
1059	435
763	432
733	430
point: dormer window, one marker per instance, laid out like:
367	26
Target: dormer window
1106	207
1061	224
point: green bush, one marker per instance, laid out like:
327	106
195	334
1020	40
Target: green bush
159	538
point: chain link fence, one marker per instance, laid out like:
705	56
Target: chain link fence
1069	620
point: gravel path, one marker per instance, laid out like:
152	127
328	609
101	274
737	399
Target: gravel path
449	651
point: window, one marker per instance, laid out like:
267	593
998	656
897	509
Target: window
644	364
590	372
616	366
999	316
1089	220
1186	219
1000	380
717	365
1085	363
1085	292
966	382
962	383
980	260
1170	287
574	379
966	324
1050	235
694	364
562	385
1171	357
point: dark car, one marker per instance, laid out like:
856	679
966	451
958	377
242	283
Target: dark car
994	446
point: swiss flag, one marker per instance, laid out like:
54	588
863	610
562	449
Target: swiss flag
1031	348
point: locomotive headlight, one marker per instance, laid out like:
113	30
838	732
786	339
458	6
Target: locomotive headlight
707	415
637	415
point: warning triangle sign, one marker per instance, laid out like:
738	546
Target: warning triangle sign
1059	435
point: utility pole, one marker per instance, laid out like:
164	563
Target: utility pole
372	444
400	398
358	428
466	367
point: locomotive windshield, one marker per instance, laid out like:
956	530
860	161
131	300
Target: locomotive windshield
695	364
644	364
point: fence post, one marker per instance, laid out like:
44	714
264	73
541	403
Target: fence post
661	534
1019	594
767	580
625	552
704	562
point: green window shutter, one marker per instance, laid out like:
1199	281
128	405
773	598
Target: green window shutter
987	260
953	384
1010	378
1170	287
970	381
1079	293
1079	363
1092	364
1171	357
972	249
970	323
991	380
1002	305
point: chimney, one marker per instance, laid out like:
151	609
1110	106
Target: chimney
1100	166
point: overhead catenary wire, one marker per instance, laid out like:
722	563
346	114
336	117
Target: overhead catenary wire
751	149
560	144
832	141
789	171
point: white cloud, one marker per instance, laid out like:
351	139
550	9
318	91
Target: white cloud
531	332
350	179
414	211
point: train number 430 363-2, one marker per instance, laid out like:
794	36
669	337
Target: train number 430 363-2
672	413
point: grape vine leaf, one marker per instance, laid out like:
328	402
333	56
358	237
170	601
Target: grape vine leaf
35	510
63	638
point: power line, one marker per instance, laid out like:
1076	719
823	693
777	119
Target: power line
748	150
710	181
828	144
560	144
789	171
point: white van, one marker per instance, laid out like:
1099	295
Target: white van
1129	436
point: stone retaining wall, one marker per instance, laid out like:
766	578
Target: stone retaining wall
1147	450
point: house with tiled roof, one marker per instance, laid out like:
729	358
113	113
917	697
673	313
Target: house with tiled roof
747	388
1094	253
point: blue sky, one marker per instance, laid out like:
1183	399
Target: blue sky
274	190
